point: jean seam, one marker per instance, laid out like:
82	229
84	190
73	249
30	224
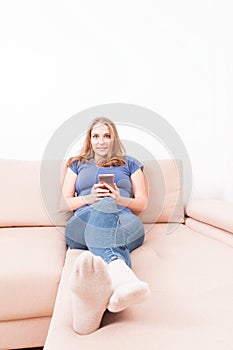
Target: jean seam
116	229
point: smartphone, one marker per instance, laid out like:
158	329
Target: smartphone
108	178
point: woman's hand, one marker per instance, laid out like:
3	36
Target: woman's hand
98	192
113	192
115	195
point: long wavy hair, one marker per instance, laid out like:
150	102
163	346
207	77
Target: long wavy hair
116	154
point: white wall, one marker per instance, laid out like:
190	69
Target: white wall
173	57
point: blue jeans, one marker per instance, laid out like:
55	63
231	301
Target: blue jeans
105	230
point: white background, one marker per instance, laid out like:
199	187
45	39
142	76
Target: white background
173	57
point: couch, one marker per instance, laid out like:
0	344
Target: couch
187	259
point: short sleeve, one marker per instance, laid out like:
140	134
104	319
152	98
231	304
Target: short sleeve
133	164
74	167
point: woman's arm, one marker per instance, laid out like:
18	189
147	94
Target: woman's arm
139	202
71	202
68	200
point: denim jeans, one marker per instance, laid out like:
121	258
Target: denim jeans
105	230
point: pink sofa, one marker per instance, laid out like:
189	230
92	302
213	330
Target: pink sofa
187	259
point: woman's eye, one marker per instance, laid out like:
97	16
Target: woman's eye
108	136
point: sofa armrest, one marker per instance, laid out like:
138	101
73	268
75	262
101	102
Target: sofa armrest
217	213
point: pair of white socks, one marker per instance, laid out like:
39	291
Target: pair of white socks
97	286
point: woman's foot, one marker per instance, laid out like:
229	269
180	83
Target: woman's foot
128	289
91	290
127	295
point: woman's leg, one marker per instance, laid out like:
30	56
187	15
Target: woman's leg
117	234
106	236
90	282
75	228
127	288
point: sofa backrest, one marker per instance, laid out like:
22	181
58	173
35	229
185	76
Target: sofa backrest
30	192
21	202
165	191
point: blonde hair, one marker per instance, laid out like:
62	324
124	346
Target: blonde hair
116	152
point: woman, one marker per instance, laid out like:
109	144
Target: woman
104	224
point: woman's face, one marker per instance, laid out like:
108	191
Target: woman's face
100	140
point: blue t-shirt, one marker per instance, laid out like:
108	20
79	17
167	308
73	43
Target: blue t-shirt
88	175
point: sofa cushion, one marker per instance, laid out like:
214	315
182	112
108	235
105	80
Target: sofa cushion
31	261
214	212
165	190
210	231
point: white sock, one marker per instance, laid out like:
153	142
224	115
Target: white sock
128	289
91	289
